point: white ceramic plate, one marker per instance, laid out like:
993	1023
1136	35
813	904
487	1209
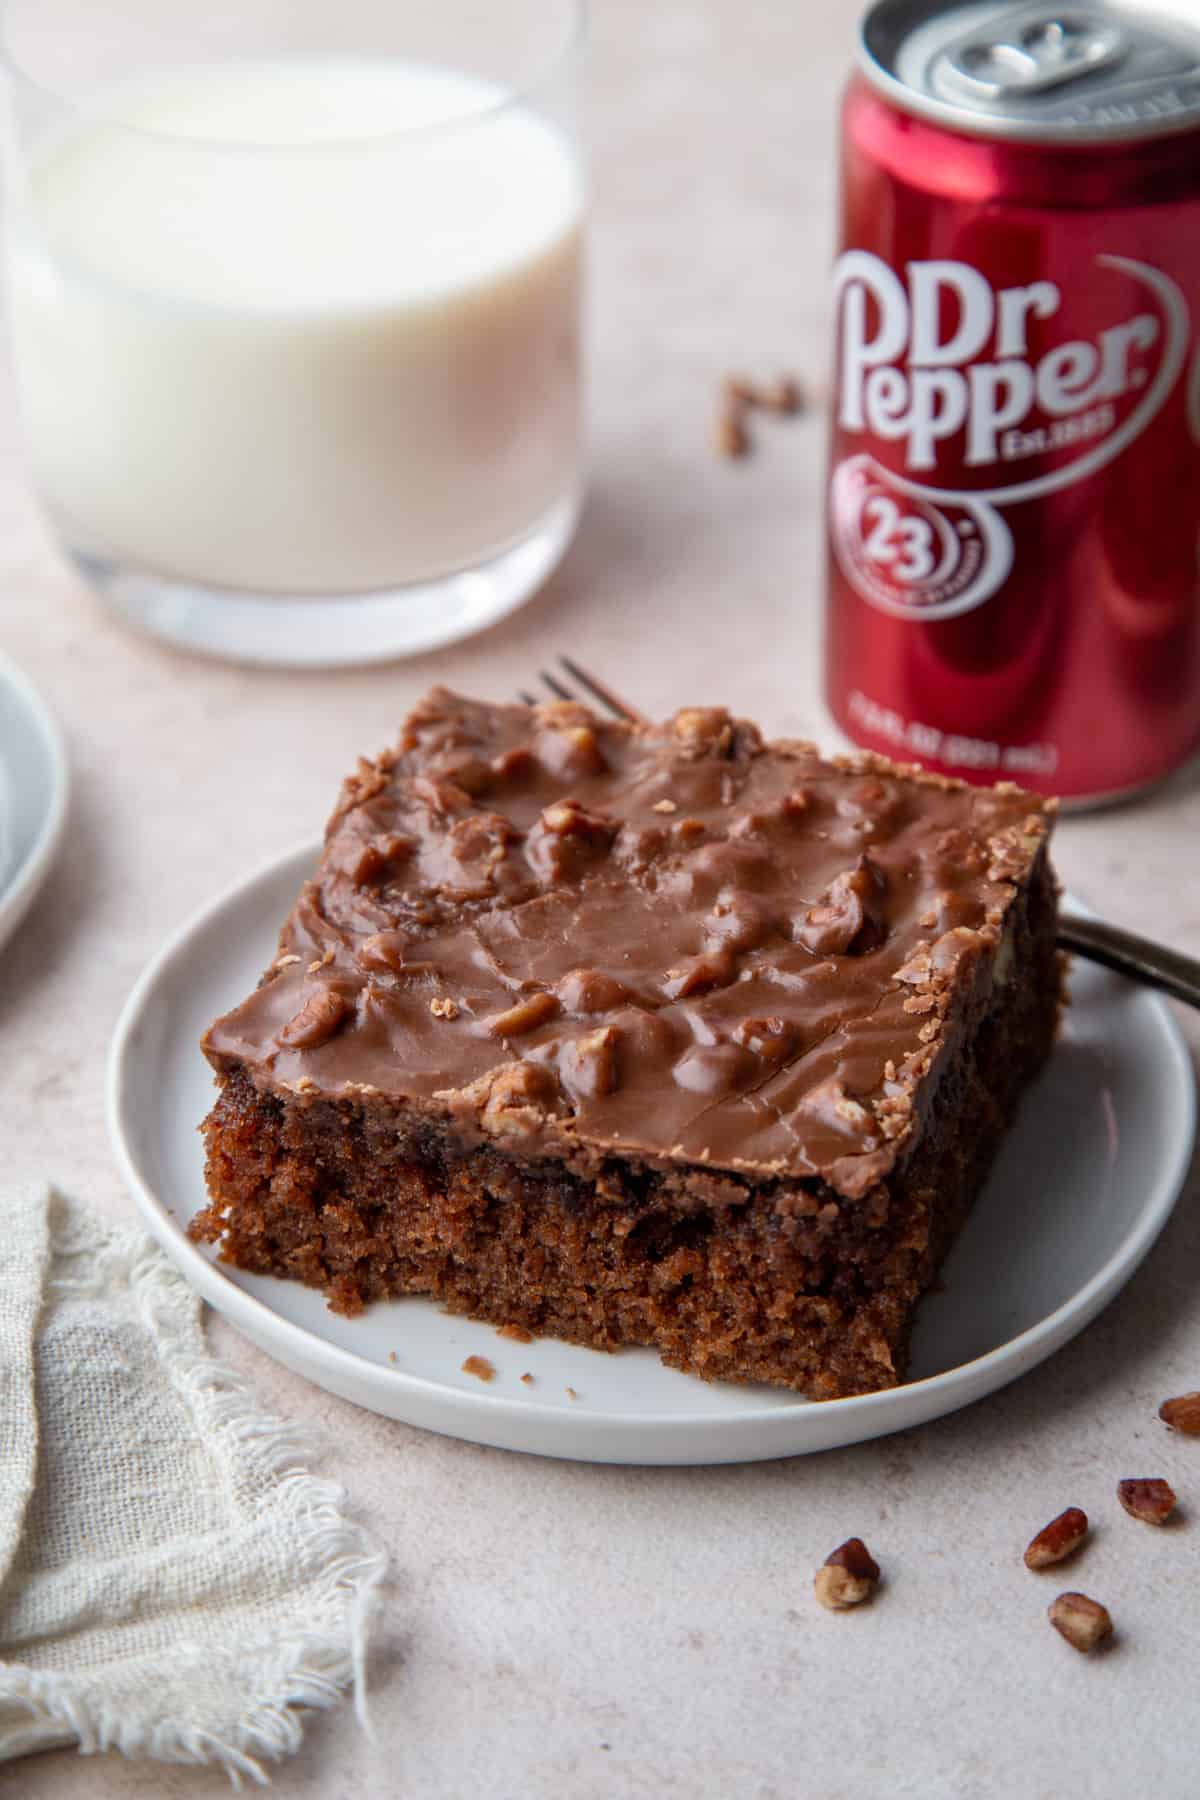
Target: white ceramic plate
1082	1188
33	794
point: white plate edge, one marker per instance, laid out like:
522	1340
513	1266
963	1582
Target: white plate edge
17	896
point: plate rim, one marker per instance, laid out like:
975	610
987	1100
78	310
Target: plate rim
955	1387
17	893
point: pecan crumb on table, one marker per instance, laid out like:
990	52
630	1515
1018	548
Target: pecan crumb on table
1057	1540
848	1576
480	1367
1082	1621
730	436
1182	1414
740	397
1148	1498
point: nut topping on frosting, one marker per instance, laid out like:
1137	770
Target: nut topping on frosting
591	991
524	1015
588	1064
567	840
317	1020
761	977
849	920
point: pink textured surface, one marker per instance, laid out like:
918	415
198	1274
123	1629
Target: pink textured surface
564	1630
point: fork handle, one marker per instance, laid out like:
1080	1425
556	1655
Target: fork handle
1129	954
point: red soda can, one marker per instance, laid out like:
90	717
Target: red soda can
1014	486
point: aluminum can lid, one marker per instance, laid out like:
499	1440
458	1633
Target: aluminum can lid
1096	71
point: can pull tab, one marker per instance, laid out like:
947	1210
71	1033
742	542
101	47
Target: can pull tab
1031	53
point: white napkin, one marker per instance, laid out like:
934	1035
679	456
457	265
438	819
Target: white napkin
174	1583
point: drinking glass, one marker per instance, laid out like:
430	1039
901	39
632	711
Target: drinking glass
294	289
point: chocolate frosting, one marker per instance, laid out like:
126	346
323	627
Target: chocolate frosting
672	942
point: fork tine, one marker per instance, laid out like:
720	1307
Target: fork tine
599	692
556	686
526	698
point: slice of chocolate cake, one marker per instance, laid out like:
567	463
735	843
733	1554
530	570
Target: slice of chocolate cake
640	1035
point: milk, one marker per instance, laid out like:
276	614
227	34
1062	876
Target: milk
338	366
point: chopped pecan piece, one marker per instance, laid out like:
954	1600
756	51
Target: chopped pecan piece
480	837
567	840
367	780
715	1069
739	390
700	729
770	1038
1182	1414
317	1020
784	395
591	991
480	1367
1057	1540
715	968
588	1064
1082	1621
739	920
569	745
466	771
443	1007
1148	1498
384	951
849	920
730	436
442	797
849	1576
524	1015
513	765
379	856
519	1097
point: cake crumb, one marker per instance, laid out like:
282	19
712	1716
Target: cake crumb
443	1007
784	395
739	390
527	1378
570	1393
741	396
479	1366
730	437
392	1357
517	1333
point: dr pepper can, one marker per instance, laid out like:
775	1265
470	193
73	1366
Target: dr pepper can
1014	485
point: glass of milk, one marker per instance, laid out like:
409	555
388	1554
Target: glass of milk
294	290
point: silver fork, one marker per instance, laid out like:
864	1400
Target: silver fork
1155	965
